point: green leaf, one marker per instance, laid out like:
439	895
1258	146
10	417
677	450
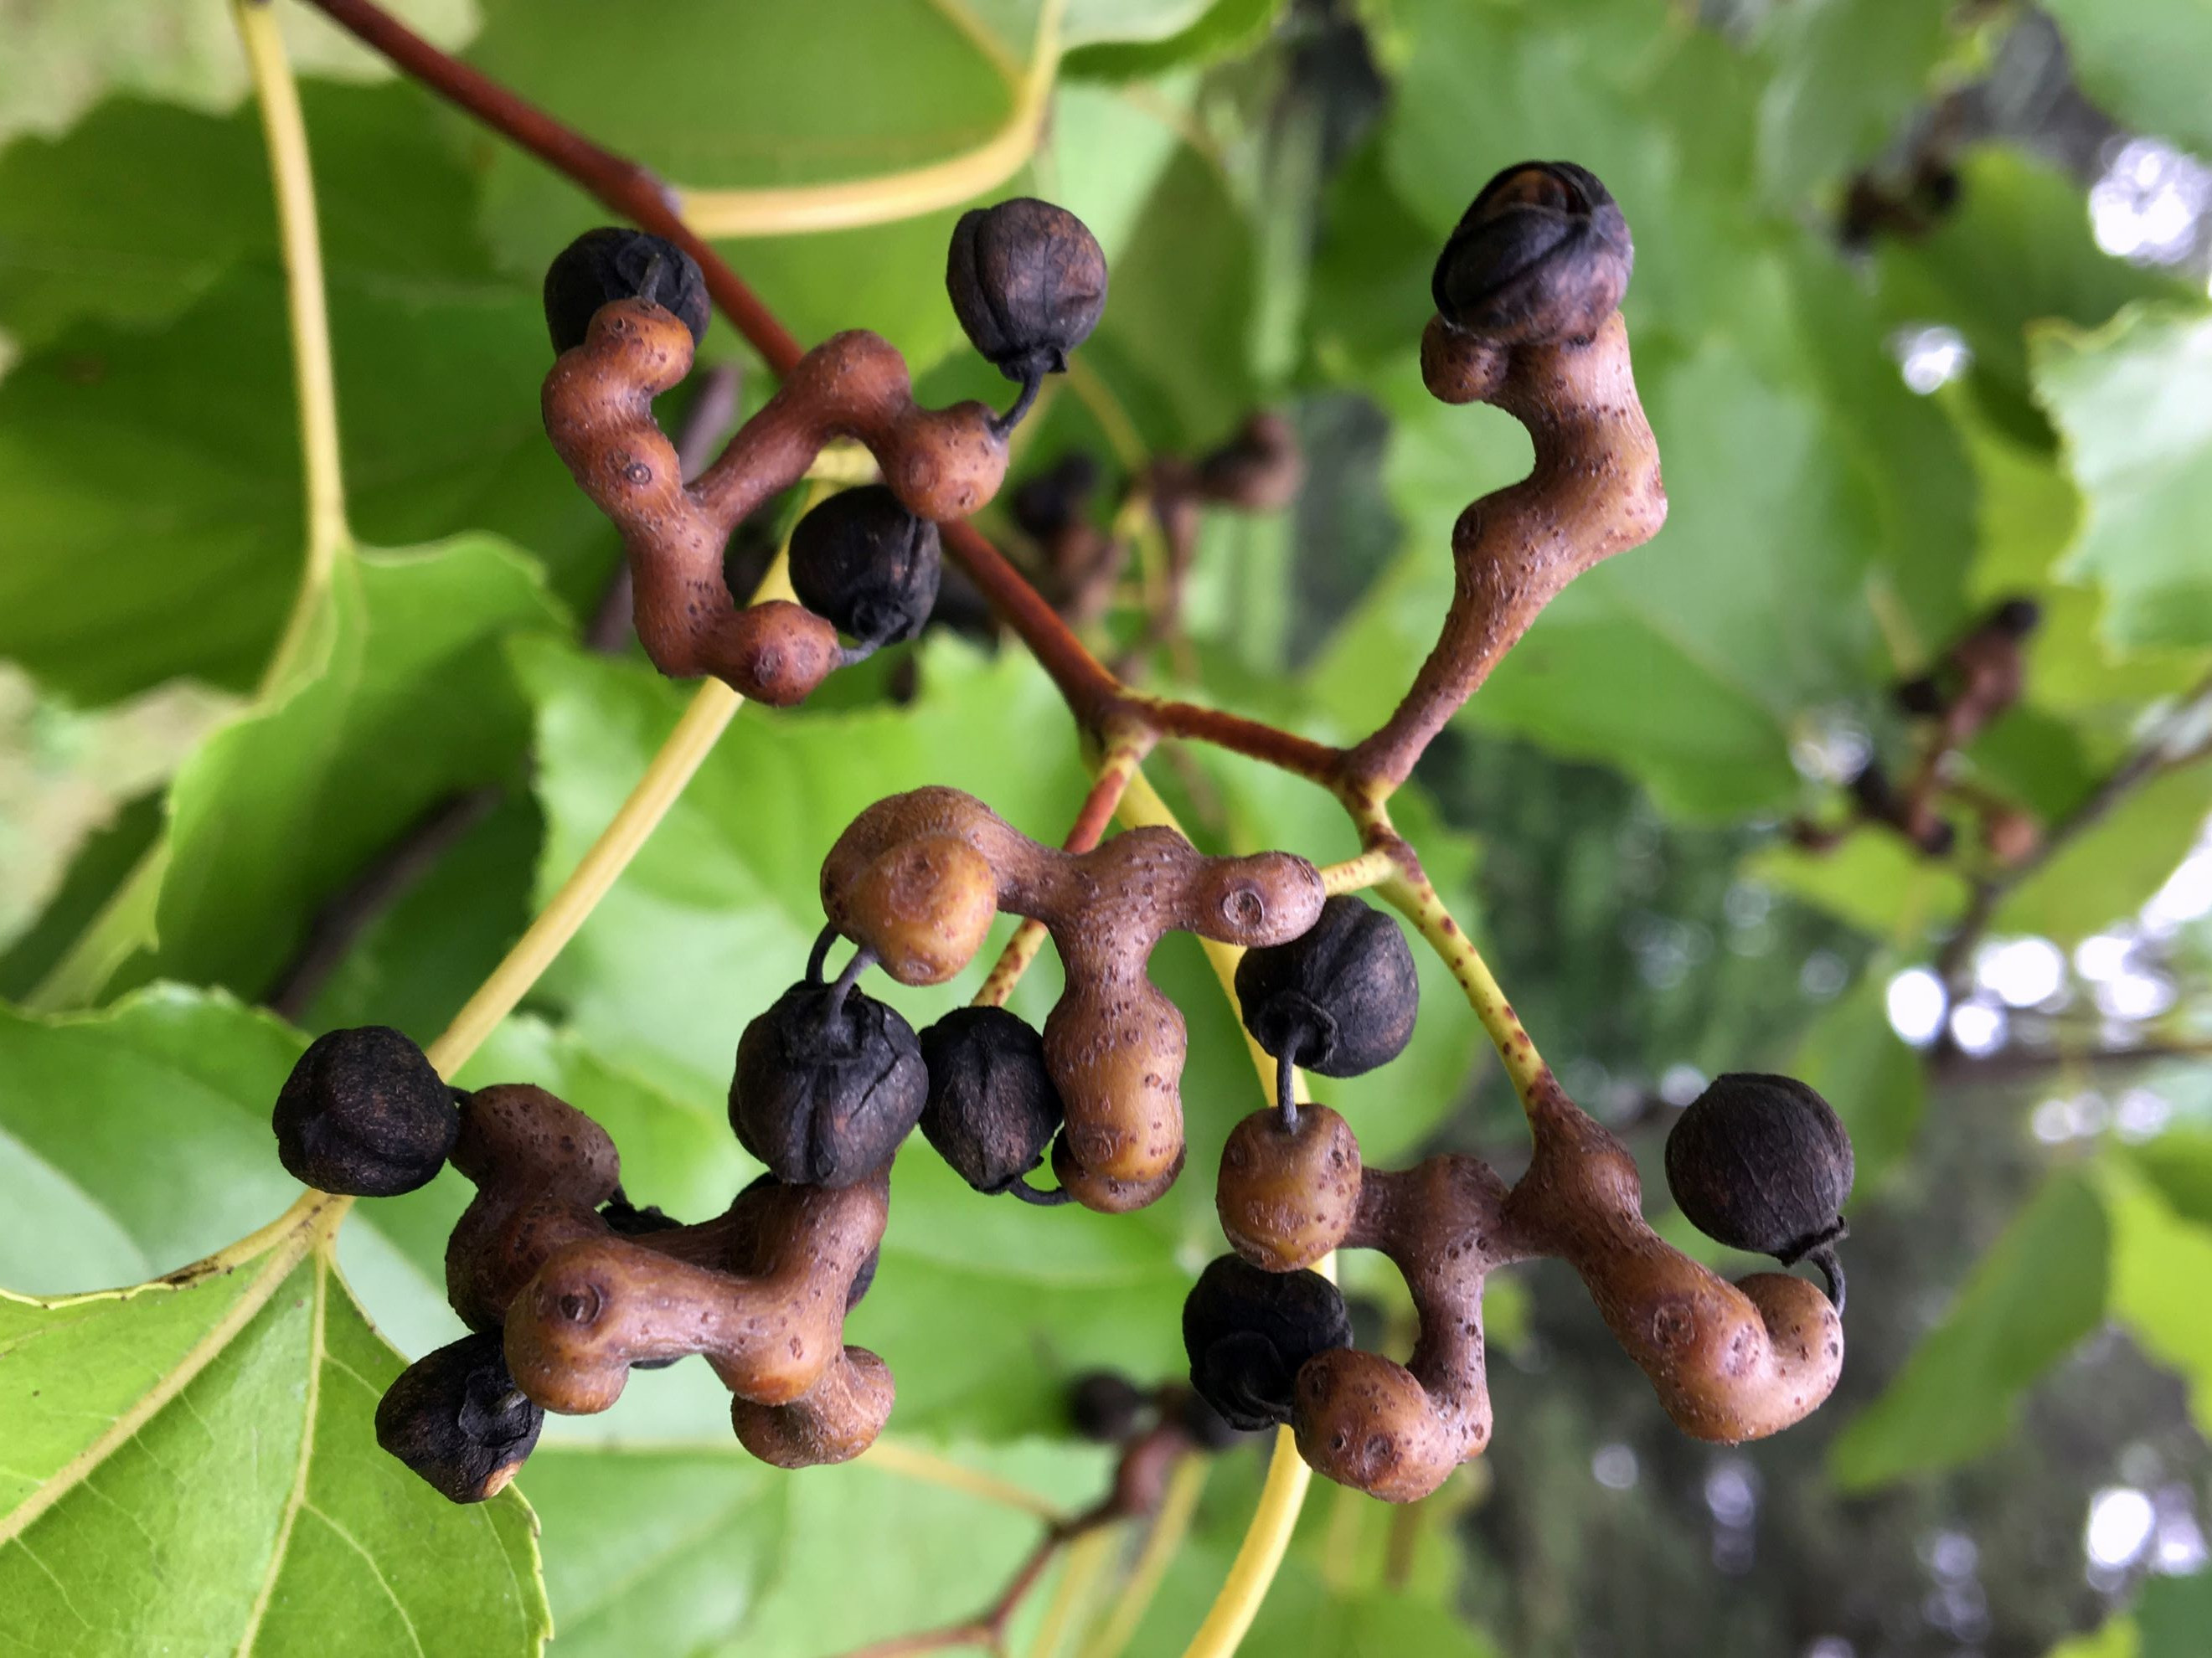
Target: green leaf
278	810
2039	1289
2142	62
62	60
2178	1164
2160	1258
2135	404
193	1466
1223	28
1846	74
1873	880
707	1550
2105	873
1858	1063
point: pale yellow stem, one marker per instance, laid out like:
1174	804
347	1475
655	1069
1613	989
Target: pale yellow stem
1169	1527
848	203
912	1462
314	378
1087	1558
1358	874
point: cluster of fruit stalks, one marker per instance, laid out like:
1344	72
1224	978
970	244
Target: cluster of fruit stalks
567	1286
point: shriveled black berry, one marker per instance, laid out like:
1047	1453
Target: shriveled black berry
992	1109
826	1085
2018	617
1028	281
1247	1332
1762	1162
364	1113
1104	1406
866	565
613	263
457	1419
1541	253
1341	998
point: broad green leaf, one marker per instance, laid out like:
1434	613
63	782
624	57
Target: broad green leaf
1873	880
708	1551
1858	1065
2160	1259
2141	62
2178	1165
2134	402
1846	74
192	1466
276	812
2015	250
62	59
1220	29
2039	1289
2105	873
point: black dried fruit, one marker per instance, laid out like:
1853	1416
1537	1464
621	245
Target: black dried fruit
866	565
828	1081
457	1419
1763	1164
1247	1332
1104	1406
1541	253
2017	617
1341	998
364	1113
1028	283
613	263
1045	503
992	1109
1921	696
1208	1429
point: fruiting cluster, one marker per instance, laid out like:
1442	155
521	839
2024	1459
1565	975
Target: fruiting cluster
567	1286
1979	676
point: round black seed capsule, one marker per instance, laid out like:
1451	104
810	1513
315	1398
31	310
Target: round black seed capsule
613	263
1247	1331
992	1109
1763	1164
1542	253
866	565
364	1113
1341	998
1028	281
826	1085
456	1418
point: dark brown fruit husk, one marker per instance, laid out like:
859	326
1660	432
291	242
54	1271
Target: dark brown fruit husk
456	1418
1105	1407
1341	998
864	563
365	1114
616	263
992	1109
1541	254
1247	1331
1763	1164
1028	281
825	1089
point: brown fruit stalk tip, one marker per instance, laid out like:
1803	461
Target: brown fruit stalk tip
941	464
1730	1361
762	1290
917	878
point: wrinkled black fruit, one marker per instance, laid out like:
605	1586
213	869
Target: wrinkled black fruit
992	1109
1763	1164
1921	696
866	565
1542	253
1104	1406
2018	617
823	1098
1341	998
611	263
1209	1429
456	1418
1028	281
1248	1332
365	1114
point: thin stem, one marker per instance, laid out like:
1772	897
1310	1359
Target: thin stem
1087	1558
125	921
1260	1555
1370	868
710	714
315	380
1172	1524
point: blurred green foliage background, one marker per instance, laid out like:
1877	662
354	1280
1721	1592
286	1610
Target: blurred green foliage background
1920	319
